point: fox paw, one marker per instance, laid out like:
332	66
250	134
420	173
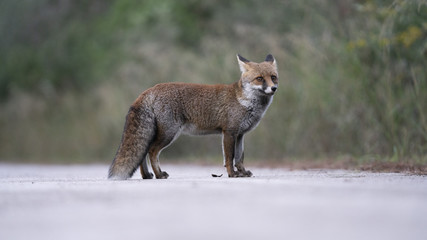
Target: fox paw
246	173
149	176
163	175
240	174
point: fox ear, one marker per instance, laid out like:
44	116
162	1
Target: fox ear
242	63
271	59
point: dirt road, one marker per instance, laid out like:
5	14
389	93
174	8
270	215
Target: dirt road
77	202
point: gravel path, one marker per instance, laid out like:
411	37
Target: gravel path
77	202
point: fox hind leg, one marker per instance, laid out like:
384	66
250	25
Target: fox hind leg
161	142
145	173
155	164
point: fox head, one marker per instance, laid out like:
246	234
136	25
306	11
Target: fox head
259	78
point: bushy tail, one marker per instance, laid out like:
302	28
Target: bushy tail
138	133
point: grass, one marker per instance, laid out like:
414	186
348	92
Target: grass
352	78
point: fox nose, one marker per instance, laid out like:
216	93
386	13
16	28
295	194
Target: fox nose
273	89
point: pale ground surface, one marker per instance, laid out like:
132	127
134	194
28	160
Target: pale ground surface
77	202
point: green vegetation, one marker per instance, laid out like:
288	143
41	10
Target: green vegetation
353	75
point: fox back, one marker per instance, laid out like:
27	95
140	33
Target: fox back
161	113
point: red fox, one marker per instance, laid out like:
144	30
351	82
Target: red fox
161	113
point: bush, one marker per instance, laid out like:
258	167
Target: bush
352	74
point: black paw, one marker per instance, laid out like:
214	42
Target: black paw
149	176
163	175
240	174
244	173
247	173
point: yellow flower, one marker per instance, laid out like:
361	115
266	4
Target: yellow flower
361	43
408	37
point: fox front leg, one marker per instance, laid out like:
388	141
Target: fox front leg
228	145
239	156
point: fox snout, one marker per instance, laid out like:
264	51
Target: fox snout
264	87
270	90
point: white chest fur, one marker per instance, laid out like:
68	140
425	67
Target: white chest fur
255	111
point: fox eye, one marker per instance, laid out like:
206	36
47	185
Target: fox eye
260	79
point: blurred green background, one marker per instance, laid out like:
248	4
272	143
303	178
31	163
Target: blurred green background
352	74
